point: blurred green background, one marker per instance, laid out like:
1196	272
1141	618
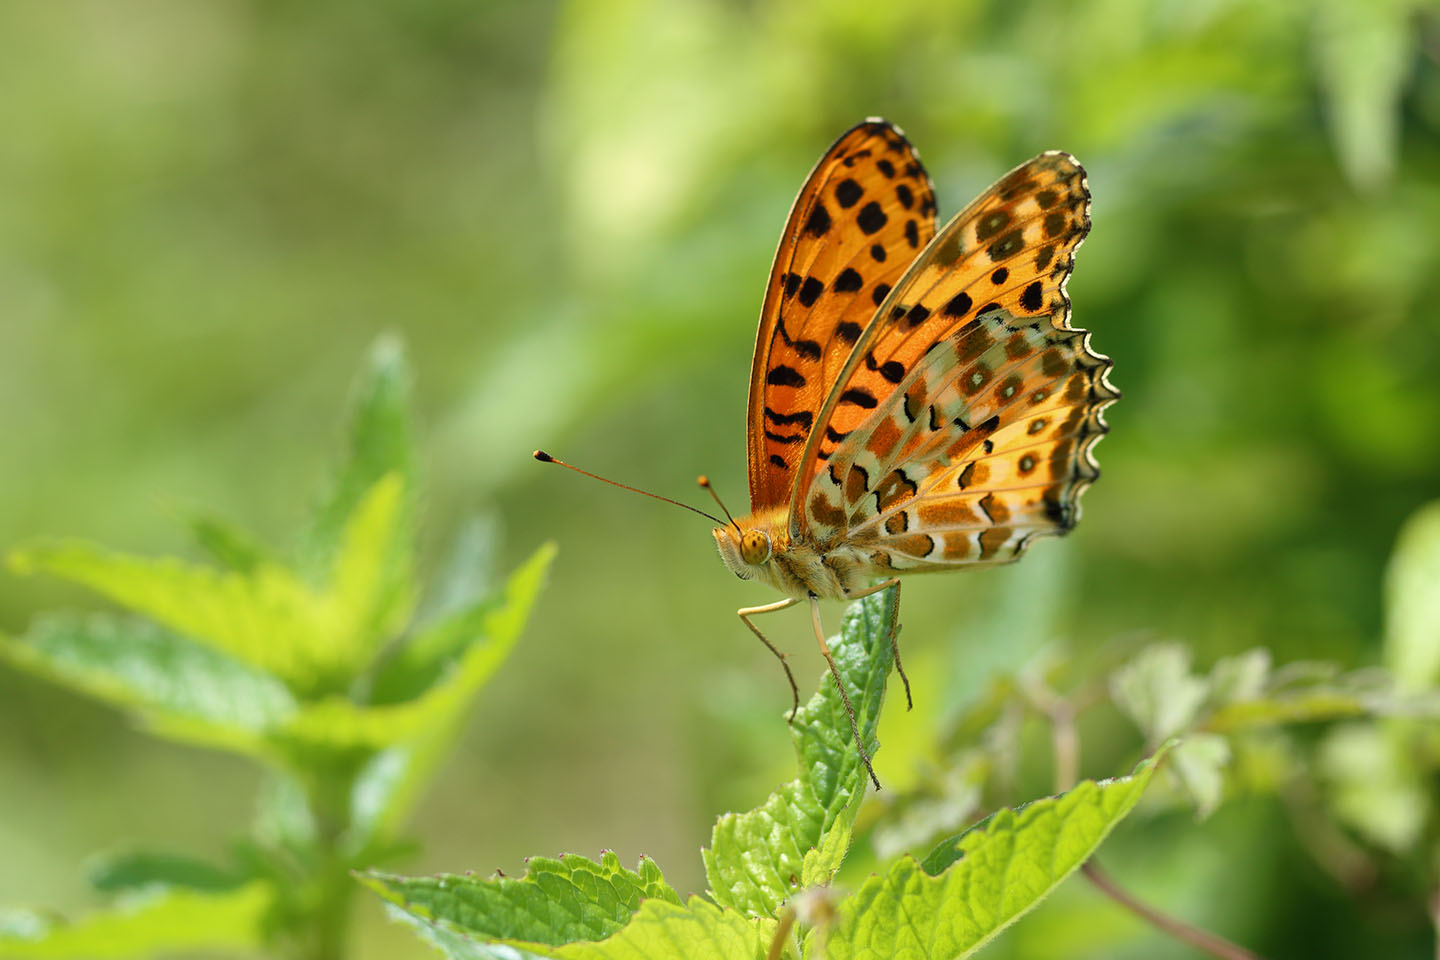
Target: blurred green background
568	210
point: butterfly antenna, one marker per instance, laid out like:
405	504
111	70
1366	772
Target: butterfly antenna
544	457
704	481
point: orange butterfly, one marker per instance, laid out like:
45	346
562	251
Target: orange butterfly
918	401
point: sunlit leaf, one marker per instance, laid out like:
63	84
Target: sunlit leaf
379	442
1362	51
167	680
975	885
1374	787
1412	610
797	837
155	921
371	583
266	618
556	902
387	788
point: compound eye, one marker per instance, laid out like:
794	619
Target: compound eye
755	547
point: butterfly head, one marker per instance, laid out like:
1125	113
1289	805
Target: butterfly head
745	551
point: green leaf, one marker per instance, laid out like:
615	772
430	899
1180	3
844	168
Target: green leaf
379	443
339	723
228	545
1239	678
170	682
1158	692
1412	604
130	869
267	617
664	931
160	920
371	584
1374	785
797	837
1363	49
1300	706
556	902
1199	762
390	783
468	572
456	945
975	885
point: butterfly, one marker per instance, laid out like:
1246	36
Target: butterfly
918	399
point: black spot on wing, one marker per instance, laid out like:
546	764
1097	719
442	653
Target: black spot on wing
1032	298
783	376
871	218
819	223
848	282
810	291
959	305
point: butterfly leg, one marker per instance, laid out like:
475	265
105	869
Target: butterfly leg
894	631
745	614
840	685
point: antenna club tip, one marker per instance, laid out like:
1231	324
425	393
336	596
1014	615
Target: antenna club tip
703	480
543	457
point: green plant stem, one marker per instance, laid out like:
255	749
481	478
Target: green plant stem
1065	742
327	919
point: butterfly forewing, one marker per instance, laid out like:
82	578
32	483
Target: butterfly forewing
962	423
861	218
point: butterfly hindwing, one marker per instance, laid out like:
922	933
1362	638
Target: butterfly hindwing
864	213
962	423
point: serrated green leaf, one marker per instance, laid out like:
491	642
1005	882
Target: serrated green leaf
266	618
699	930
660	930
797	837
1199	762
556	902
996	873
129	869
1158	692
1412	603
379	442
155	922
167	680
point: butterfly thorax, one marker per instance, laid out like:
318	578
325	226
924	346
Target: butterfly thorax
760	547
